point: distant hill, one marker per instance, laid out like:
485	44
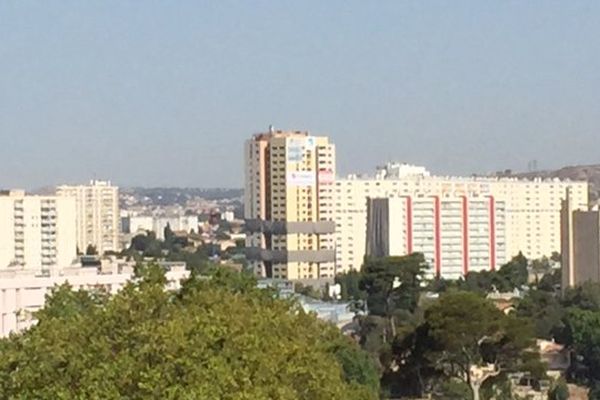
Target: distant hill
167	196
590	173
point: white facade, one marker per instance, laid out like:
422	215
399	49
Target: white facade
179	223
532	209
400	170
97	214
139	223
455	234
36	232
21	294
143	223
227	216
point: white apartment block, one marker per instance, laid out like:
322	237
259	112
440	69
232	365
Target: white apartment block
289	214
97	214
23	293
142	223
532	208
455	234
36	232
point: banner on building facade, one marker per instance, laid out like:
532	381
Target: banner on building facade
301	178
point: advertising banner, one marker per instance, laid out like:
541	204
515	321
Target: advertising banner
300	178
326	177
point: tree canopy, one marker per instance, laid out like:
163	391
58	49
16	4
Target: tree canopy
471	340
218	338
392	283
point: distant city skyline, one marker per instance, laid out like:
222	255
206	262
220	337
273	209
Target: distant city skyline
164	95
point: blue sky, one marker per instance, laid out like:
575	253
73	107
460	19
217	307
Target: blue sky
164	93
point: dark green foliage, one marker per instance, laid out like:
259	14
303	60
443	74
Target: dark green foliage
196	261
540	268
357	365
350	286
308	291
514	273
378	276
484	282
141	242
374	334
585	297
91	250
464	330
497	388
452	389
470	330
173	248
556	257
421	342
583	334
168	234
559	391
546	312
551	281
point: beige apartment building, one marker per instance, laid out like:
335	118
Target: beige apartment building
36	232
532	207
97	214
289	179
580	244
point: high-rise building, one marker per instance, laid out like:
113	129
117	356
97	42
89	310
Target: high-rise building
97	214
532	207
289	205
580	243
455	234
36	232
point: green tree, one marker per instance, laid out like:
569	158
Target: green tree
393	283
168	235
91	250
196	261
484	282
350	285
515	272
217	338
583	335
540	267
585	296
551	282
473	341
510	276
544	310
308	291
559	391
556	257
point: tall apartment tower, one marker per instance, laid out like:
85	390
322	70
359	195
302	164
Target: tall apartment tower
580	243
36	232
289	205
97	214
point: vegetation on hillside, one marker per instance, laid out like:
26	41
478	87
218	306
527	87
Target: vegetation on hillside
426	336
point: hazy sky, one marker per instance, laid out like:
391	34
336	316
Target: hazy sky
165	92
